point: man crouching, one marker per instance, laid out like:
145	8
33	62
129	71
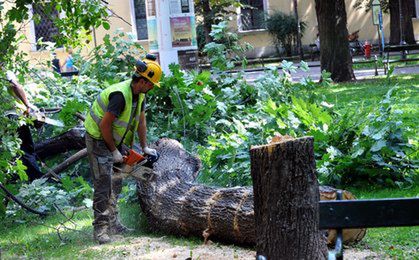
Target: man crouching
116	114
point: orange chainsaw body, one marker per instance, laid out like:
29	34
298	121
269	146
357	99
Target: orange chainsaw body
133	158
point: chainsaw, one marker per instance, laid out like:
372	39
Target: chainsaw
136	165
39	116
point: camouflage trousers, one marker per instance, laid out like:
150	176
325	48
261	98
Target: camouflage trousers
106	189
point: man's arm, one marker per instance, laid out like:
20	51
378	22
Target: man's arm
106	130
142	130
20	93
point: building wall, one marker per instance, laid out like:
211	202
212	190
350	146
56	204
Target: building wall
356	19
261	40
121	7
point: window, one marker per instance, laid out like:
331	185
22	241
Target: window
44	25
253	17
140	19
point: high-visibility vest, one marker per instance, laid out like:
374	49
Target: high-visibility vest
120	124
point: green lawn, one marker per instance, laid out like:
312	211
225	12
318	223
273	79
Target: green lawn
38	238
365	93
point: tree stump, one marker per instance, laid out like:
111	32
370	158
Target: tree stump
286	196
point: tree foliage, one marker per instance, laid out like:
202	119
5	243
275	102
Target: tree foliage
284	29
74	27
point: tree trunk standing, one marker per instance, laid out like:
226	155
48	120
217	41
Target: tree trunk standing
286	201
407	9
394	22
395	33
299	45
335	56
207	19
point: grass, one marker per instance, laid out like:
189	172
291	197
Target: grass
36	238
368	93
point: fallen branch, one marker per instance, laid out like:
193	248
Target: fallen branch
64	165
70	140
10	196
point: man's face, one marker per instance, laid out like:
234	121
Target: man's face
142	86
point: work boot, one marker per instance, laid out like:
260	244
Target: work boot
101	234
117	228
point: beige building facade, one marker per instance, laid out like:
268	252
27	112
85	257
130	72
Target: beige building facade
130	16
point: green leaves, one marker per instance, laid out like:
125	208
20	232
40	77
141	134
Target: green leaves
283	28
226	50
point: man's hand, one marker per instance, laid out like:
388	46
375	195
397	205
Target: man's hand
150	151
117	156
30	108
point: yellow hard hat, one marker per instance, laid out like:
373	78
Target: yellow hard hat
149	69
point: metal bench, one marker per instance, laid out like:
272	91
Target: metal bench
69	73
404	49
341	214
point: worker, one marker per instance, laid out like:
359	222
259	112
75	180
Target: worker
115	116
23	107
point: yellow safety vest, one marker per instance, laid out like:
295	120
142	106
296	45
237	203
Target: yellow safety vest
120	124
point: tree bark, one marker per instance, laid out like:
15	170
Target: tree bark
335	56
407	10
174	204
394	22
286	197
395	33
208	19
299	44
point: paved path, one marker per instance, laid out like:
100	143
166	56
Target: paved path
314	73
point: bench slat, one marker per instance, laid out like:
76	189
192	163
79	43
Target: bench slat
410	47
369	213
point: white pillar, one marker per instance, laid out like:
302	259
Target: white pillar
167	54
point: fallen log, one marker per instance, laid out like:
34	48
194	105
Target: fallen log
70	140
173	203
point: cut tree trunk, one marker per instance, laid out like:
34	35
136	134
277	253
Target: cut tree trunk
335	56
174	204
286	200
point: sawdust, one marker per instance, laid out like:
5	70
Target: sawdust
158	248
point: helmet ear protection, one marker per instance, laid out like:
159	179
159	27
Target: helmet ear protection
141	66
149	69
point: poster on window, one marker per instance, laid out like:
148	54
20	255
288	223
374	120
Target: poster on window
174	7
151	7
179	7
183	31
152	35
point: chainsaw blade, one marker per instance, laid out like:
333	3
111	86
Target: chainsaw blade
53	122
